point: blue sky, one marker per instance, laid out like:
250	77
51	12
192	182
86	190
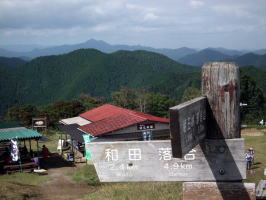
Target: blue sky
236	24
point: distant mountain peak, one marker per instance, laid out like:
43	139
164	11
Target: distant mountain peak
91	41
177	54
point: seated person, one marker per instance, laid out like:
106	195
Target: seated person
6	156
36	160
24	154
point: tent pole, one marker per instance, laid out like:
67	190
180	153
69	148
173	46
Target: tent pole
30	148
37	146
20	162
61	141
72	144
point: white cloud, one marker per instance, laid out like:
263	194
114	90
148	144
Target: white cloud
196	3
232	10
102	28
150	16
144	29
156	22
230	28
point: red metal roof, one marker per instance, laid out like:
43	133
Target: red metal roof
102	112
107	110
111	124
108	118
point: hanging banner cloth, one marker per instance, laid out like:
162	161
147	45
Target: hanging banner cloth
14	150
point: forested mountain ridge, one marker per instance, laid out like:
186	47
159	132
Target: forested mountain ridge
257	74
50	79
183	55
211	55
201	57
47	79
11	62
102	46
251	59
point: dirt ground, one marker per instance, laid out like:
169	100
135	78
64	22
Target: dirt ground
60	185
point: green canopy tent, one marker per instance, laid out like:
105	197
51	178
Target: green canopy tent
20	133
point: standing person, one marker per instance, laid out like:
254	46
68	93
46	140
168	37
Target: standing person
252	153
45	152
248	159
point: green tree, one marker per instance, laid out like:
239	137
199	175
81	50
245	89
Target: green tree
89	102
22	114
253	96
12	114
125	98
152	103
62	109
142	98
190	93
159	104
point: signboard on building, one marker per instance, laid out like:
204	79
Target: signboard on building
146	126
136	161
187	125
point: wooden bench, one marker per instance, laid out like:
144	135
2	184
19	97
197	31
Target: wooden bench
25	167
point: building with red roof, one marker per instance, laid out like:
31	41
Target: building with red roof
113	122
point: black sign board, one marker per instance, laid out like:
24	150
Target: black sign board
187	125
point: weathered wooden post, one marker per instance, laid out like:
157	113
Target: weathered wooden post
221	86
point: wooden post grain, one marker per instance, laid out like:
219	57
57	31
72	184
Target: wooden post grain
221	85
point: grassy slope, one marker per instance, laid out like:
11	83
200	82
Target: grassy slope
259	145
132	191
20	186
138	191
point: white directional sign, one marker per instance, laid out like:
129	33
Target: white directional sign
136	161
187	125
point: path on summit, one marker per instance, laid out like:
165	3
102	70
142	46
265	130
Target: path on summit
60	185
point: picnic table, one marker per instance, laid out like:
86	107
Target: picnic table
25	167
